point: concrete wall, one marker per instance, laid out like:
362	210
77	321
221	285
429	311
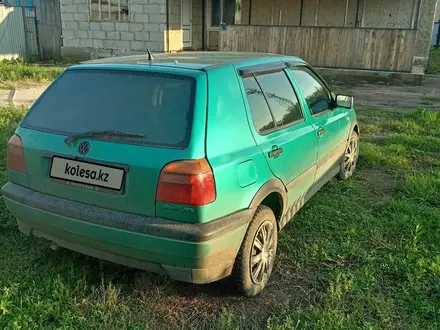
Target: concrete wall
437	14
245	12
145	29
427	11
283	12
372	13
197	24
332	13
388	14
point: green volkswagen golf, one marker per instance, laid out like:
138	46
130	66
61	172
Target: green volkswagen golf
186	165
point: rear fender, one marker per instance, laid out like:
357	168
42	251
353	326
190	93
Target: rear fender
271	186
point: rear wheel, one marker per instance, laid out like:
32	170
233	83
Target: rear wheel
351	156
254	263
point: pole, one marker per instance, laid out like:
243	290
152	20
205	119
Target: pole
437	44
167	3
203	25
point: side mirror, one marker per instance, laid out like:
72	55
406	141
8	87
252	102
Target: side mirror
344	101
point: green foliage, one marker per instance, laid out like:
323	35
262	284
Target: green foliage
391	156
18	69
428	143
423	187
434	61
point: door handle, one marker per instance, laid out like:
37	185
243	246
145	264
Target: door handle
275	152
321	132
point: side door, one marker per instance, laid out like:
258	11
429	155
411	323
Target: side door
330	123
281	130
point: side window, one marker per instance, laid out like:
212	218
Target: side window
281	97
261	115
314	91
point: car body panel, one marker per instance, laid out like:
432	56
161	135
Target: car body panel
298	158
222	132
229	143
136	249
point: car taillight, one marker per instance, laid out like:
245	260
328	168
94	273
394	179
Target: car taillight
189	182
16	154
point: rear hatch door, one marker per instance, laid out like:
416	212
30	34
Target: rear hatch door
101	136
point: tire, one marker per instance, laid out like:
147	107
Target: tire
246	278
351	155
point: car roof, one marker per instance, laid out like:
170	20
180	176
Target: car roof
190	60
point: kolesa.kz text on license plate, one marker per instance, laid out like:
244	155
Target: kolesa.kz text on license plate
97	175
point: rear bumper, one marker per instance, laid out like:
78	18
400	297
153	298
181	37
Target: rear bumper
197	253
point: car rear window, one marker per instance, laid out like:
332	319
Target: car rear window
159	106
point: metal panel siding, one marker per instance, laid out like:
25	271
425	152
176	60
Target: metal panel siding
49	25
18	3
49	28
30	28
12	35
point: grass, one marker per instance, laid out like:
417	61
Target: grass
19	74
434	61
362	254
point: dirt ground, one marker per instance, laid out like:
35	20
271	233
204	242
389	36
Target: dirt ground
400	98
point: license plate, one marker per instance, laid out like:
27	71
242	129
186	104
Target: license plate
82	172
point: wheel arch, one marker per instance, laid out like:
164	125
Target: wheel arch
272	194
355	128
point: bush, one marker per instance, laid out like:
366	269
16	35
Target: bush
18	69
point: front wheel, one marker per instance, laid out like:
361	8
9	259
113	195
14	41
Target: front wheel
349	162
254	263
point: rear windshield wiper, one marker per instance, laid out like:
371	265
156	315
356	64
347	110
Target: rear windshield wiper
73	137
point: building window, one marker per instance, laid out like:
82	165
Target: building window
109	10
231	12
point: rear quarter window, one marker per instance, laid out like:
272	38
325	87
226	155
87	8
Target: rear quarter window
159	106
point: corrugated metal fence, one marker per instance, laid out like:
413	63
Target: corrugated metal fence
12	33
48	24
31	31
49	28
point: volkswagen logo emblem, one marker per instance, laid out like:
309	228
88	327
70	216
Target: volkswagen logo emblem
84	147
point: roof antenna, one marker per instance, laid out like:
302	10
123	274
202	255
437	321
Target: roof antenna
150	57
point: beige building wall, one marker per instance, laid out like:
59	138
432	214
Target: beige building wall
175	26
175	21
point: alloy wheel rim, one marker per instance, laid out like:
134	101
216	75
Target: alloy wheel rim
351	156
263	253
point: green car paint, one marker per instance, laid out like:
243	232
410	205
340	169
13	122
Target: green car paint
190	243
